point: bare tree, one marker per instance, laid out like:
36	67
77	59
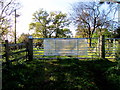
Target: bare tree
90	16
7	8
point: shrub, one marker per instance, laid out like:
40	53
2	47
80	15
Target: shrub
113	77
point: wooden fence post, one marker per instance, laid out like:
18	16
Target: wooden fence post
30	49
102	46
7	51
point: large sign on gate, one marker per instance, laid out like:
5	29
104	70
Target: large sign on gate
65	47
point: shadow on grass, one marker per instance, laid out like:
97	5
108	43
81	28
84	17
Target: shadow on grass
57	74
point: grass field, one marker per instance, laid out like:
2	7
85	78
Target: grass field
60	74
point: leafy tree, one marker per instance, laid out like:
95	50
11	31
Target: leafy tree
7	8
23	37
88	17
117	33
103	31
40	23
81	33
58	24
47	25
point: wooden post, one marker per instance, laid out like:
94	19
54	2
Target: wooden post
114	48
102	47
26	46
30	49
7	51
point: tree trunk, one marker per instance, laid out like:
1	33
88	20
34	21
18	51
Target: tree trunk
90	41
57	32
90	36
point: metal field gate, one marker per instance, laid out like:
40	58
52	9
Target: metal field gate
112	48
52	48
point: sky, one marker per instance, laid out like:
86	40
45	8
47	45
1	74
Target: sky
30	6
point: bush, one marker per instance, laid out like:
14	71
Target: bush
117	56
113	77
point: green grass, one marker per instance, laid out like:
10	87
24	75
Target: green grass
60	74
